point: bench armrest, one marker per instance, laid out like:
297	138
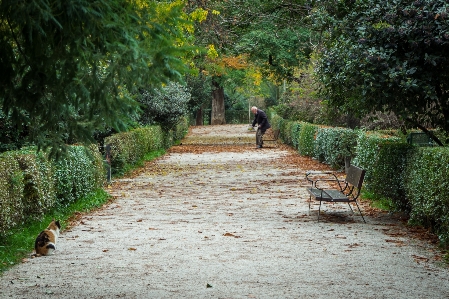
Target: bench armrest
315	177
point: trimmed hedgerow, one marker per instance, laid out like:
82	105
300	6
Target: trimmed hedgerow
295	129
427	188
39	193
287	132
11	193
128	148
388	174
367	153
332	145
80	173
306	142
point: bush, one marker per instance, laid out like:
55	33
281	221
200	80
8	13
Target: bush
387	178
287	132
164	107
295	129
128	148
306	142
11	193
427	188
39	193
332	145
80	173
367	153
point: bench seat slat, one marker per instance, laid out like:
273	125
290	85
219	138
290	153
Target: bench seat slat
332	195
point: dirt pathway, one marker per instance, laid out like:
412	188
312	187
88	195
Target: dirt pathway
229	221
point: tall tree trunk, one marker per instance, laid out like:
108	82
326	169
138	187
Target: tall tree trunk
218	107
199	117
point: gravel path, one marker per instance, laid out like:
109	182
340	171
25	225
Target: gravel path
229	221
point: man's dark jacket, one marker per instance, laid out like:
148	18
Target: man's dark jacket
262	120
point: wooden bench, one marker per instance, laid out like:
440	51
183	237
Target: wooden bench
347	190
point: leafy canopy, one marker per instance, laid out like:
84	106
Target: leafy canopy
387	56
71	66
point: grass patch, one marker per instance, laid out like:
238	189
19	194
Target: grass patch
382	203
128	168
19	243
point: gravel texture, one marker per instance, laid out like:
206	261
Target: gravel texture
216	218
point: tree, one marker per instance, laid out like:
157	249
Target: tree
164	106
389	56
274	34
69	67
200	89
266	36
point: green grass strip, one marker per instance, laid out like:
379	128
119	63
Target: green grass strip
20	242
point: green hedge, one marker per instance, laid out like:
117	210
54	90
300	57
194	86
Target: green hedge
413	179
129	148
306	142
39	192
11	193
80	173
31	184
387	177
427	189
367	156
332	145
294	132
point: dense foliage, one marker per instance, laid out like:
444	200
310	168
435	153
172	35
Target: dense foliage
427	189
164	106
386	56
31	184
69	67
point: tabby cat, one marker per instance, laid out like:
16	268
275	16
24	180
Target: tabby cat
46	241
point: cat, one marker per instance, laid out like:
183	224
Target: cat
46	241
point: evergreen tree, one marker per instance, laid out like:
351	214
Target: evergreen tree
70	66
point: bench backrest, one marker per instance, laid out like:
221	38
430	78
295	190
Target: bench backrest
355	176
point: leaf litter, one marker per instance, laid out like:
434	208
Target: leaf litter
179	216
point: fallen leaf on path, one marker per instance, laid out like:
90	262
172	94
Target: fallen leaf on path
231	235
420	258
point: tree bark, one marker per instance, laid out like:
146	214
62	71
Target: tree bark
218	107
199	117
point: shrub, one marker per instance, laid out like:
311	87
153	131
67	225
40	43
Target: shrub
306	142
39	193
295	129
287	132
11	193
80	173
367	153
128	148
427	188
387	178
332	145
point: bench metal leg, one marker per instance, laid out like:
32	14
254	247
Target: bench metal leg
350	208
310	200
319	211
360	211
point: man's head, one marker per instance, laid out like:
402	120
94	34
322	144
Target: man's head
254	109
